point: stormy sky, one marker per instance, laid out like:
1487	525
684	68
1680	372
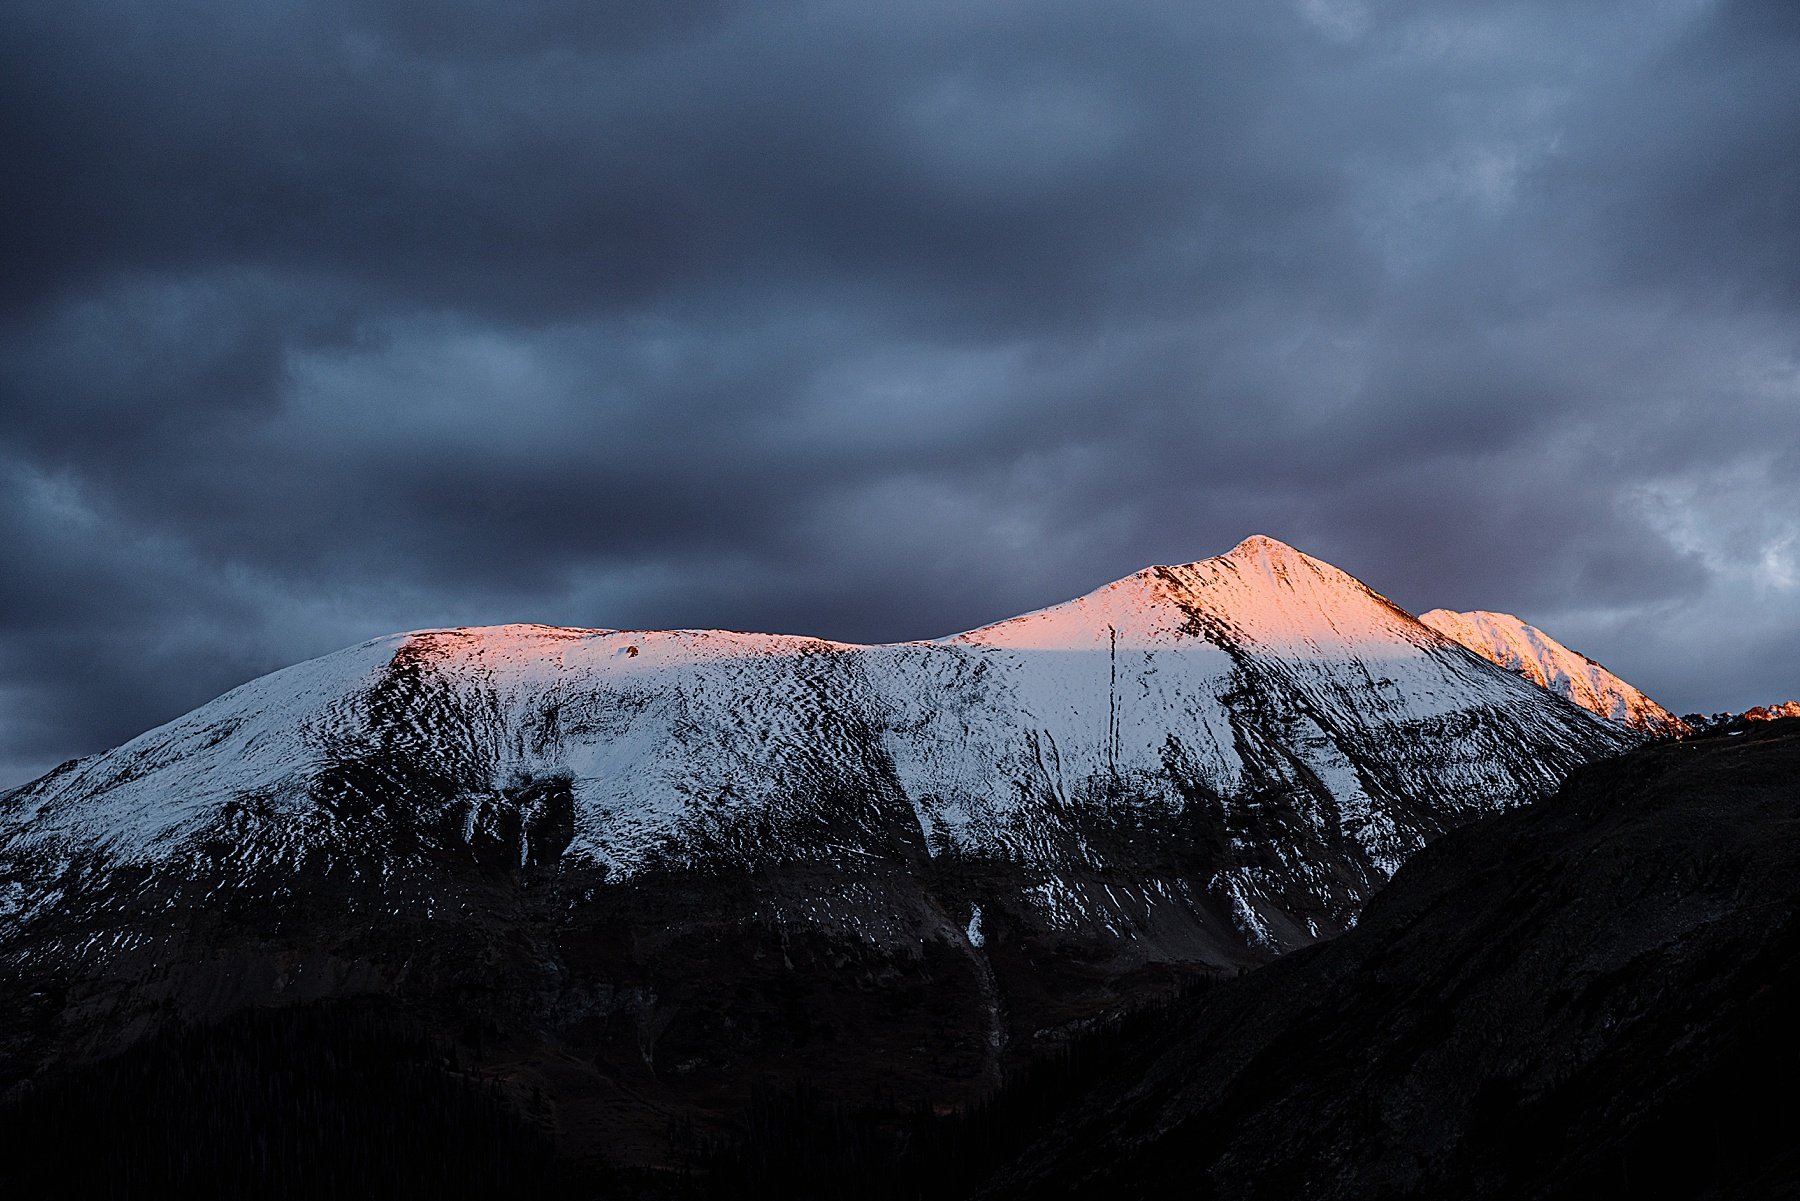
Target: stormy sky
323	319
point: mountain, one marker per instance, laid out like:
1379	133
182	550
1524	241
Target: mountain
634	873
1710	722
1588	997
1519	647
1773	712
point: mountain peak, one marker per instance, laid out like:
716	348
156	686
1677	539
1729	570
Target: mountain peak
1263	546
1262	592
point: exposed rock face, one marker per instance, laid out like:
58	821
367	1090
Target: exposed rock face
642	867
1773	712
1526	650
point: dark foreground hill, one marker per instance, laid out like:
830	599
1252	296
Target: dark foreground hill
1590	997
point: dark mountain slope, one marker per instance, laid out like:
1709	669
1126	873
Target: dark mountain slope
1587	998
1591	996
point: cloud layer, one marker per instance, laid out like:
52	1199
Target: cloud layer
325	319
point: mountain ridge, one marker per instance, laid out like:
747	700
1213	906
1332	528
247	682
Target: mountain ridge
1516	645
1262	600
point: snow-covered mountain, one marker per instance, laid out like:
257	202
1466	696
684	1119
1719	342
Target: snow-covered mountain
653	846
1520	647
1219	680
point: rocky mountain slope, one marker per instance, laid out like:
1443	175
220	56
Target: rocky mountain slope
638	870
1526	650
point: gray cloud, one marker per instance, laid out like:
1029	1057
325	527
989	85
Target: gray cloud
324	319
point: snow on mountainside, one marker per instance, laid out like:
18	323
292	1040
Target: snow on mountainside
1263	673
1511	643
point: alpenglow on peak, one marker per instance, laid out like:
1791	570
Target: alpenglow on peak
1525	650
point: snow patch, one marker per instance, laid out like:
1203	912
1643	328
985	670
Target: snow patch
973	930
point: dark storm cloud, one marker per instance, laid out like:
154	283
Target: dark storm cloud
322	319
